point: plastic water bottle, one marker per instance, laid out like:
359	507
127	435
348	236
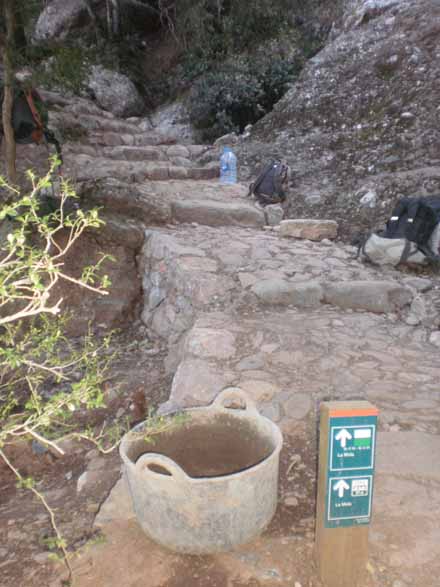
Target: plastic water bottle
228	166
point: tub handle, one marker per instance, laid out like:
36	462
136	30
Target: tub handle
234	395
171	467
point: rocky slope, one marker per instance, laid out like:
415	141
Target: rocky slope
363	116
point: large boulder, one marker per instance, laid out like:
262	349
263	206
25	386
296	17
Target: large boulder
115	92
59	18
172	120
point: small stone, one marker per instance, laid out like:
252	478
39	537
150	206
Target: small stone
291	501
412	320
81	483
309	229
369	200
434	339
271	574
417	312
418	283
68	476
298	584
271	411
274	213
313	199
38	448
93	508
41	558
113	393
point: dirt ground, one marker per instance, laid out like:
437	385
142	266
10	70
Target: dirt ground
24	523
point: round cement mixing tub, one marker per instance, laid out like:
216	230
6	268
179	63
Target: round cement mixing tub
211	482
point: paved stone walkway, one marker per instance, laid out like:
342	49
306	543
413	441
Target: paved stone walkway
293	323
203	292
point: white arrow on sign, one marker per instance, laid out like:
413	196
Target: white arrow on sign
343	436
341	486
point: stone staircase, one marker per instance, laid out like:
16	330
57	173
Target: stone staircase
293	322
130	158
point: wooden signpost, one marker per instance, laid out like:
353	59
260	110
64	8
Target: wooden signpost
345	491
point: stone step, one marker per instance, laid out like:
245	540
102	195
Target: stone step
82	167
158	202
98	130
177	154
76	116
127	138
211	213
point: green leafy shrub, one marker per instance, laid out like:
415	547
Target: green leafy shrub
62	68
44	380
238	95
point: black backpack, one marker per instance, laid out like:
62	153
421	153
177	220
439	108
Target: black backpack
268	188
413	220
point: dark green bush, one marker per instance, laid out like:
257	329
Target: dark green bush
222	26
240	94
248	22
59	67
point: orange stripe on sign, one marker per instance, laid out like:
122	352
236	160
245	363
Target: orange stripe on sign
353	413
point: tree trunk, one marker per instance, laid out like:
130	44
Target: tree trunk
116	24
8	99
113	19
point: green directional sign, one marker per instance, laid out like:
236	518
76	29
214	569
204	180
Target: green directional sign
349	499
352	443
350	469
